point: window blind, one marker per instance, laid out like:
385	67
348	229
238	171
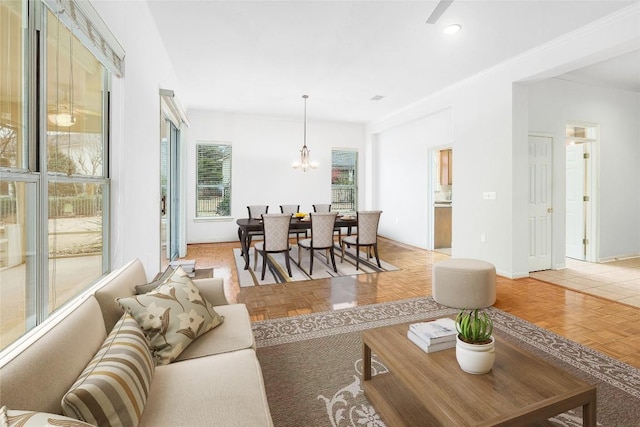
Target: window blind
85	23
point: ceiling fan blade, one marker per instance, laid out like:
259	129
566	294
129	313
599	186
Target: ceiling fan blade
438	11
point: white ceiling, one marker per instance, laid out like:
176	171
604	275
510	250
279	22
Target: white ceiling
260	57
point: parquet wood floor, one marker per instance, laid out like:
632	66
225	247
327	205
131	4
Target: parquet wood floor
607	326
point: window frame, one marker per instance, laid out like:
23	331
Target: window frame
335	204
227	186
33	171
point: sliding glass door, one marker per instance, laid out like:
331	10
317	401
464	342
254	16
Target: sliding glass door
170	194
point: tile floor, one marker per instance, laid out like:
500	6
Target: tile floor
616	280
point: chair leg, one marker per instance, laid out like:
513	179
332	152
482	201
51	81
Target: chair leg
255	258
375	250
342	256
357	257
299	253
264	263
333	260
286	258
311	262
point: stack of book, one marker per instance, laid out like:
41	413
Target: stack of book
435	335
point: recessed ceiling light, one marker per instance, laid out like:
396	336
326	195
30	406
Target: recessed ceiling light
452	29
377	97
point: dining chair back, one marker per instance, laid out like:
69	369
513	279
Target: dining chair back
367	236
275	229
322	226
326	207
322	207
290	209
255	212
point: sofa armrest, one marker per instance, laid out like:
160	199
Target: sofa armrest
213	290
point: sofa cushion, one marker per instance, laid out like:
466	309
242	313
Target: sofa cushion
113	388
42	372
157	281
13	418
172	316
225	390
234	334
119	283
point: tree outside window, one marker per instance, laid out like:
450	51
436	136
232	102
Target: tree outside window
213	182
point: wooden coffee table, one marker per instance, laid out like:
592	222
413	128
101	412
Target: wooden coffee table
431	390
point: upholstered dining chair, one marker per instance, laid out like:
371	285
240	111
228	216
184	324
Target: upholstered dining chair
367	236
326	207
255	212
322	207
322	224
293	209
275	228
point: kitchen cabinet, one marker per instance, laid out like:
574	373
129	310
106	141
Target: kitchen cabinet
446	167
442	226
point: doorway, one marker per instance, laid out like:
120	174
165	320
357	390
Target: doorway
169	187
442	185
582	138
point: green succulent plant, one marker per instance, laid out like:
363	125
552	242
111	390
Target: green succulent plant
474	327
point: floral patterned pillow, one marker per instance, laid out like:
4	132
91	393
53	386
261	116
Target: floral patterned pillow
12	418
172	316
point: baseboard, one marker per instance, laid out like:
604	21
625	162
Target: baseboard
619	257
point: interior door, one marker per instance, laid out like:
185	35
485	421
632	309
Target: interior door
576	192
540	202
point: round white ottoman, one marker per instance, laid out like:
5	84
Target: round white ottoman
464	283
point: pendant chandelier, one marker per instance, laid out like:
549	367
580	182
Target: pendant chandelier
305	158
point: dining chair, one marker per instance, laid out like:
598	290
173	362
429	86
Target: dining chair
255	212
326	207
322	226
322	207
367	236
275	229
293	209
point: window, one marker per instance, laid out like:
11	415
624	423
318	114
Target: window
53	168
344	180
213	181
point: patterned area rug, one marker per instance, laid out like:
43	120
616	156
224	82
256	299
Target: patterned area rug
322	268
312	365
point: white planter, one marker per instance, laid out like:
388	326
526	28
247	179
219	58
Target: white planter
475	358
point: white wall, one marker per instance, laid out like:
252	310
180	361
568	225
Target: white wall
489	123
488	155
553	103
135	133
263	150
404	173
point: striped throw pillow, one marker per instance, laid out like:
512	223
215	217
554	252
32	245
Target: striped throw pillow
113	388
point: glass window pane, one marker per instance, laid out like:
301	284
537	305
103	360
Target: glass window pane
213	180
344	174
74	105
75	239
12	82
17	207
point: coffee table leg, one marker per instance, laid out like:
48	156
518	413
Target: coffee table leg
589	417
366	362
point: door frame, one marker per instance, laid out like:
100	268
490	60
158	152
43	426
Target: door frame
592	212
434	180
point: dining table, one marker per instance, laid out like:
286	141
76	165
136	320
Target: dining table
247	225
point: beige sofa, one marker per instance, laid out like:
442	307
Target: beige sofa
215	381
